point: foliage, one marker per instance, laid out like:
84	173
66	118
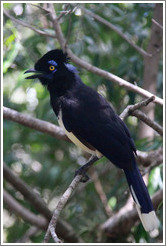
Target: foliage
48	164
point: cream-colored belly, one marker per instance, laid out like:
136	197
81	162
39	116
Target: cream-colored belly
75	140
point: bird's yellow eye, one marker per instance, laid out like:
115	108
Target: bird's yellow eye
52	68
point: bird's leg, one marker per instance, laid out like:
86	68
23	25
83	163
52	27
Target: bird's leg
83	169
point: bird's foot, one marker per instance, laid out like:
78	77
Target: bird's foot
82	171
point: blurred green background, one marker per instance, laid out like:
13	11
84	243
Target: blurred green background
48	164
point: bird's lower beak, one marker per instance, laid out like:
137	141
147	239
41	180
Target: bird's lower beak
36	74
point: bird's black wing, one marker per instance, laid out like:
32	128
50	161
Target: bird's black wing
91	118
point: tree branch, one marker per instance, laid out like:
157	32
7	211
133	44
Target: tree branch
58	133
133	110
40	32
100	191
64	230
34	123
24	213
111	77
62	202
40	7
27	191
117	30
157	24
147	159
142	116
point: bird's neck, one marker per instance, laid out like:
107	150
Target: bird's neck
60	85
63	87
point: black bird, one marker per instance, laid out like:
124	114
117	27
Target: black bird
91	123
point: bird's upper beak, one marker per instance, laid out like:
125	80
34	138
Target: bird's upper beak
36	74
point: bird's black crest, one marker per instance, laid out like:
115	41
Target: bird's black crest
56	55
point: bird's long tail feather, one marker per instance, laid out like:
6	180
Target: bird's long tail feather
142	199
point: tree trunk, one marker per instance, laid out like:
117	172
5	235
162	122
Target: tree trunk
151	66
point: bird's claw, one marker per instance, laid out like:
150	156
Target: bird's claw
82	171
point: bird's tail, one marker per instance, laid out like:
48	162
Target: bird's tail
142	199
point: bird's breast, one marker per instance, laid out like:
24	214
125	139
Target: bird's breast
74	139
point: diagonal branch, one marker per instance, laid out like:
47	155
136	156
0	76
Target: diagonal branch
117	30
157	24
99	189
142	116
133	110
40	32
23	212
130	108
39	125
113	78
62	202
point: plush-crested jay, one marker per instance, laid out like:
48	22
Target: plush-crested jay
91	123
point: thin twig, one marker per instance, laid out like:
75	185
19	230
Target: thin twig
130	108
65	12
133	110
62	202
117	30
100	191
157	24
40	7
59	34
68	31
142	116
28	26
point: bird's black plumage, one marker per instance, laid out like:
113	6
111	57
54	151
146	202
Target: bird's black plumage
88	117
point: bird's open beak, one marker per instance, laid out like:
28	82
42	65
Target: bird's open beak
36	74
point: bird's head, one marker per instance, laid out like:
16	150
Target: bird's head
53	64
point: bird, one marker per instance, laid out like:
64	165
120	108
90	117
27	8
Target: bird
92	124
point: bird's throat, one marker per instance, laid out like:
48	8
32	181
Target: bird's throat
60	86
